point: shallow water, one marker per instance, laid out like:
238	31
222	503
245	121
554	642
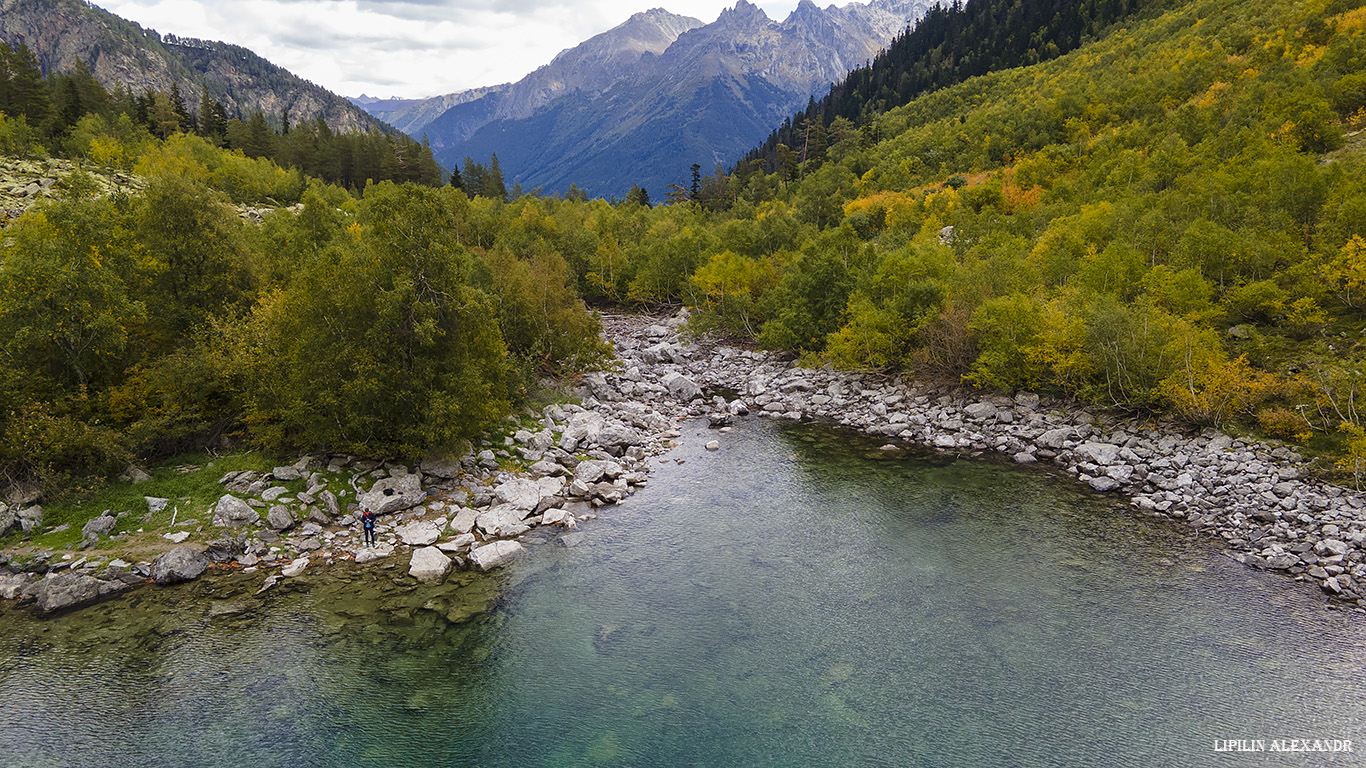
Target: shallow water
797	598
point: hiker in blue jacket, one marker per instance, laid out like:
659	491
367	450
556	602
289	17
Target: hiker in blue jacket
367	519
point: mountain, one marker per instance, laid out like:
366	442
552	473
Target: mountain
120	52
412	115
641	103
590	66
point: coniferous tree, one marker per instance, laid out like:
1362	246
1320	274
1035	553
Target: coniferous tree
455	180
496	188
22	90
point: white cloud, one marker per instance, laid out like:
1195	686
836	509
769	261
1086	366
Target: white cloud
405	47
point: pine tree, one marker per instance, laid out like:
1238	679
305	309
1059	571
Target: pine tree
496	187
22	90
456	181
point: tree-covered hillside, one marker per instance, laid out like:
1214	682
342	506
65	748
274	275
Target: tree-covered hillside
949	45
1168	220
72	115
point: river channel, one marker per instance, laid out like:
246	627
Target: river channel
797	598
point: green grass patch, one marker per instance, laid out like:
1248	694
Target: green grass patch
191	494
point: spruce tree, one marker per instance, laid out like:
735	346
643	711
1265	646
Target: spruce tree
496	187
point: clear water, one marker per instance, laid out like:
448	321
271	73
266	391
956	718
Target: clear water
796	598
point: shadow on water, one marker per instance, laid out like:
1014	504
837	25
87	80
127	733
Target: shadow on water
799	597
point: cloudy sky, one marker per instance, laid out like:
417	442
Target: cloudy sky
407	48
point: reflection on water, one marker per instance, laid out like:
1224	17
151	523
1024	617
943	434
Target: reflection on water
797	598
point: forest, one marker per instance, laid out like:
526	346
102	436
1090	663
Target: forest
1167	220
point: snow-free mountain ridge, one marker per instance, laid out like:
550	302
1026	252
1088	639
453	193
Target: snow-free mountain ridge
640	103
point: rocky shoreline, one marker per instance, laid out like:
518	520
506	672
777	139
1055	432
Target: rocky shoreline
567	461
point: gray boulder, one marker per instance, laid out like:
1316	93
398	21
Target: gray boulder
1104	484
1103	454
12	584
285	473
681	387
155	504
393	494
330	505
63	591
428	564
446	469
371	554
464	520
99	526
279	518
226	549
980	411
31	518
1054	438
9	519
180	564
232	512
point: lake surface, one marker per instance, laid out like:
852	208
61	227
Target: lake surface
797	598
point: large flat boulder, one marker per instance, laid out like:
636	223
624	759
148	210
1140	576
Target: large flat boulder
518	492
418	534
1103	454
495	554
429	564
232	512
180	564
63	591
393	494
371	554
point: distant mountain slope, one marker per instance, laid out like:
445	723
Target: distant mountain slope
118	51
710	95
592	66
412	115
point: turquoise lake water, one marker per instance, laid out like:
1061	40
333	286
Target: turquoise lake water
796	598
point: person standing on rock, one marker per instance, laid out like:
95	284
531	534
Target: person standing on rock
367	520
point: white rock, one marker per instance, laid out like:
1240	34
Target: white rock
371	554
429	564
418	534
176	537
495	554
519	492
295	567
464	521
459	543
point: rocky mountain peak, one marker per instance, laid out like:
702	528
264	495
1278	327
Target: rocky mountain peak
744	15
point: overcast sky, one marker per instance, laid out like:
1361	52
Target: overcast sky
407	48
